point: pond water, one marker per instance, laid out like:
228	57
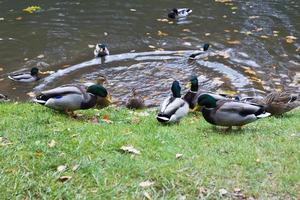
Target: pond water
250	52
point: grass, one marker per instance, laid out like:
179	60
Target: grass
262	160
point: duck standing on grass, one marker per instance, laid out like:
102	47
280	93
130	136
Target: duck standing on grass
276	103
101	50
135	101
191	97
71	97
174	107
31	76
179	13
228	112
205	48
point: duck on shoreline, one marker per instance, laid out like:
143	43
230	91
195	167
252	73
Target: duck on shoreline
173	108
69	98
135	101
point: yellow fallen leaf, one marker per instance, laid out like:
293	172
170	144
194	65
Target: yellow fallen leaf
250	72
233	42
32	9
186	30
160	33
234	8
147	195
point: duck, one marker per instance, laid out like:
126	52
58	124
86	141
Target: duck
179	13
173	108
3	98
101	50
205	48
102	102
276	103
31	76
135	101
191	97
229	112
69	98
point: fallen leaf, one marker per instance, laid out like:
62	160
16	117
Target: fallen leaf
160	33
32	9
264	36
61	168
147	195
223	1
237	190
146	184
253	17
234	8
75	167
133	10
91	46
258	29
207	34
224	16
186	30
19	18
51	144
105	34
1	18
38	153
178	155
258	160
223	192
202	190
151	46
1	69
25	59
64	178
4	141
233	42
41	56
130	149
227	31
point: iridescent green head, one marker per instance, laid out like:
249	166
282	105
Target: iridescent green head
97	90
194	83
207	101
34	71
176	89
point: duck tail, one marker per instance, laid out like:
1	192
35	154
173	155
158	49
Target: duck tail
11	78
162	118
41	99
261	112
263	115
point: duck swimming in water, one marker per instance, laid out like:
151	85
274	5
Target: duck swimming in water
31	76
101	50
179	13
205	48
173	108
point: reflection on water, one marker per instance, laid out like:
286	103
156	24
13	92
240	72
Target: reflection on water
250	52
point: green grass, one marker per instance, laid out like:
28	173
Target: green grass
263	159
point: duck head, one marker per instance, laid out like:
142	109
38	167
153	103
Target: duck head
34	71
206	46
207	101
194	83
101	50
97	90
176	89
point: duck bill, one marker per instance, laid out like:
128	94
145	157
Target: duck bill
188	85
108	99
197	108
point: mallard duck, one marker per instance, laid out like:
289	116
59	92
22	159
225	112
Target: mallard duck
26	76
135	101
174	107
179	13
3	98
71	97
191	97
276	103
229	112
102	102
205	48
101	50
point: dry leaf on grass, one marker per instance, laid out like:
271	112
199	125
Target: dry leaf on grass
223	192
147	195
64	178
253	17
133	10
61	168
51	144
160	33
41	56
290	39
178	155
75	167
31	94
146	184
130	149
19	18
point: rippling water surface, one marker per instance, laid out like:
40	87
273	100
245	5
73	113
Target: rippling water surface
249	54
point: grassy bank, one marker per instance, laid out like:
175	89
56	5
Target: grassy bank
261	161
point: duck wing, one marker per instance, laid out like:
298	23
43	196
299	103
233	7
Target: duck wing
242	109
